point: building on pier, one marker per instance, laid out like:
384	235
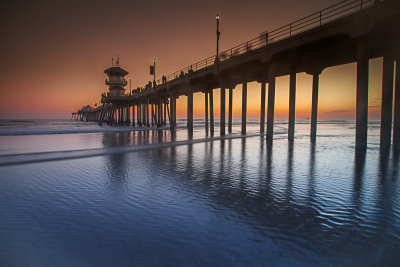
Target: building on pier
116	81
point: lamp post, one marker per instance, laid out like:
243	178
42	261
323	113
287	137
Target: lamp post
154	76
218	33
130	86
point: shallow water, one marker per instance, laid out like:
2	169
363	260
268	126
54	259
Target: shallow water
101	197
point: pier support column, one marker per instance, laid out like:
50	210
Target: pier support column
160	107
155	111
147	112
292	105
222	113
123	111
230	110
271	108
396	119
144	113
174	117
387	102
362	96
159	112
152	112
144	123
139	113
117	115
314	107
211	94
262	115
133	115
206	111
244	107
165	113
123	114
189	108
172	112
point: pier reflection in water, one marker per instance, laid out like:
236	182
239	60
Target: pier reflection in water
227	201
299	193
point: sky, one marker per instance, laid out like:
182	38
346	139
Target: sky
53	53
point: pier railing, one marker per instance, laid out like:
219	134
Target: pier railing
317	19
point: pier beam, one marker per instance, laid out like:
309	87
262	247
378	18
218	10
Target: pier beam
271	108
396	119
230	110
211	94
262	115
314	107
362	96
189	108
222	113
244	107
292	105
206	111
387	102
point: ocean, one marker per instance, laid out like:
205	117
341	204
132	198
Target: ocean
77	194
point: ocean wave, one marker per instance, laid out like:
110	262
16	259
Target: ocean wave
12	132
15	159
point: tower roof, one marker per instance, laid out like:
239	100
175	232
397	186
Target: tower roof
116	70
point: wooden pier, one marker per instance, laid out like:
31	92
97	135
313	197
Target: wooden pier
350	31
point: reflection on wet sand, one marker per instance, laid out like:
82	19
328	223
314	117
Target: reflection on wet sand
241	175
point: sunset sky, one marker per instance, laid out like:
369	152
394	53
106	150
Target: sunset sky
53	53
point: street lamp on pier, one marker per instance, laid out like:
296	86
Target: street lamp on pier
130	86
218	33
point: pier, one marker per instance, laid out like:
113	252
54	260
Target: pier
350	31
